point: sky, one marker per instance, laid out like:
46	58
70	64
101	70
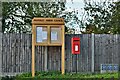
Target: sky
76	5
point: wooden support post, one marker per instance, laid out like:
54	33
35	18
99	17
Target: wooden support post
63	52
92	52
33	54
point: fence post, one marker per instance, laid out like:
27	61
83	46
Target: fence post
92	52
0	53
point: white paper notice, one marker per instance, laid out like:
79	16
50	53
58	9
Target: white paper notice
76	47
39	34
54	35
44	35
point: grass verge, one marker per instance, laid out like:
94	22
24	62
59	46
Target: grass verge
67	76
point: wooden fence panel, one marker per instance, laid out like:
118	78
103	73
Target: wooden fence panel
16	53
82	61
106	50
53	58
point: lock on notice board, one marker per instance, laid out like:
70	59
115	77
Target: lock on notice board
75	42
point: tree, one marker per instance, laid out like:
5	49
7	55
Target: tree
115	20
17	16
99	15
70	19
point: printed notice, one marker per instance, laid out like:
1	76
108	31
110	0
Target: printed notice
53	35
39	34
44	35
76	47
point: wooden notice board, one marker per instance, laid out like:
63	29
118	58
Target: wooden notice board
48	32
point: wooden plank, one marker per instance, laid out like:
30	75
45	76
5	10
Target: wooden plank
22	53
96	50
100	52
87	54
20	56
10	54
118	50
6	51
103	48
17	52
59	62
80	55
45	68
55	54
92	53
42	58
28	52
0	53
83	52
12	50
39	55
113	48
36	58
116	57
26	55
4	55
6	45
54	51
49	59
71	61
51	65
52	59
68	52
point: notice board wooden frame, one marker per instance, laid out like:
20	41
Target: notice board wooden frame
48	22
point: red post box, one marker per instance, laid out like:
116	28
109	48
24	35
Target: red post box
75	42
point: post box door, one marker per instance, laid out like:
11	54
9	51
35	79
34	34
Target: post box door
75	45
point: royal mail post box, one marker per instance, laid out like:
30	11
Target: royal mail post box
75	42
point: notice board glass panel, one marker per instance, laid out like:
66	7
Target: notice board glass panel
41	34
55	34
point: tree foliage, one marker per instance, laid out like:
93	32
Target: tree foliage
115	20
102	17
17	16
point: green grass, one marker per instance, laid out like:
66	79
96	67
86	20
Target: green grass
58	75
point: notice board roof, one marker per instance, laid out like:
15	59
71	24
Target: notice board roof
48	21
